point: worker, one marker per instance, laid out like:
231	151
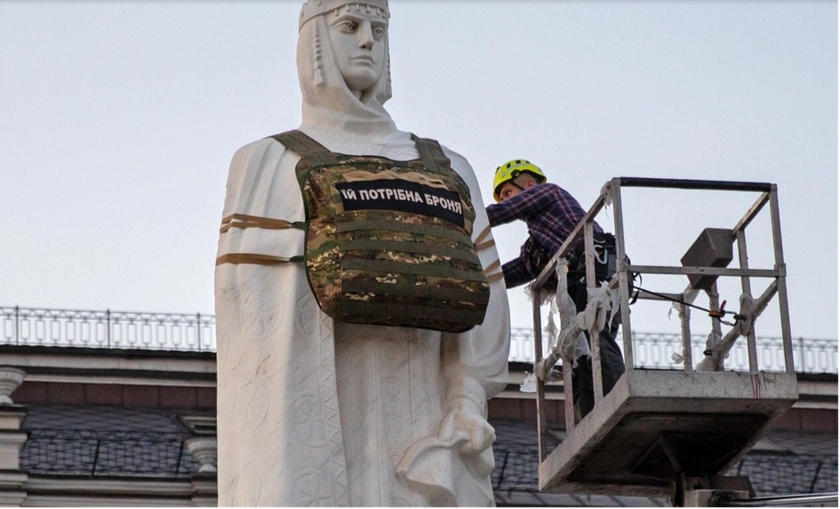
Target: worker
522	192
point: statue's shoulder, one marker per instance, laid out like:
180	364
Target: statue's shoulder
256	150
252	170
257	161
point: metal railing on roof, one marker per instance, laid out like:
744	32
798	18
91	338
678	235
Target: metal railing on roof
127	330
197	333
99	453
655	351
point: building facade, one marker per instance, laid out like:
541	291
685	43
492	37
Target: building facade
105	409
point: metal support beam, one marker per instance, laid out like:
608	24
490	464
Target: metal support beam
746	289
780	281
623	270
538	356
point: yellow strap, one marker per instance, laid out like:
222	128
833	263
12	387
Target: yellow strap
259	259
493	266
246	221
493	277
479	245
254	259
484	233
485	245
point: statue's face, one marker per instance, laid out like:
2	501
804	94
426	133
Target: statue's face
358	39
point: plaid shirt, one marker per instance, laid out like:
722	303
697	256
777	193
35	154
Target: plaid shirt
551	214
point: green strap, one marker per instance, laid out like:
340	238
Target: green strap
310	150
421	229
407	247
431	155
425	314
316	155
421	291
419	269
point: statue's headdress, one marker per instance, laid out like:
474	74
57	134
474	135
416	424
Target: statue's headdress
314	8
328	105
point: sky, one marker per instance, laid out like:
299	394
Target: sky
118	121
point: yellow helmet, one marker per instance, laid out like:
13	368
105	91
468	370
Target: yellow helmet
510	170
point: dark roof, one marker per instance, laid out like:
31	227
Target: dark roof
104	442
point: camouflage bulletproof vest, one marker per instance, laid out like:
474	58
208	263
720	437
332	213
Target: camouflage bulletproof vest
389	242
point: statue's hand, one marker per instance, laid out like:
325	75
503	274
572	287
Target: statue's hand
466	418
454	467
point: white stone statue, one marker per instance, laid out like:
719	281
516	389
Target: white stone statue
316	411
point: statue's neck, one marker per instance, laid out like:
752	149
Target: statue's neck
396	145
361	122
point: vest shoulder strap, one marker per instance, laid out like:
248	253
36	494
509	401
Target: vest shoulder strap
310	150
431	154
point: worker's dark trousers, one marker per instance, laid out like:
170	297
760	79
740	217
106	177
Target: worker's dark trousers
612	363
612	367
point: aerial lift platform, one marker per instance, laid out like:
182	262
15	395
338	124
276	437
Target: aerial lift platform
670	432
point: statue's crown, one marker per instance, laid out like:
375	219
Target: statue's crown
314	8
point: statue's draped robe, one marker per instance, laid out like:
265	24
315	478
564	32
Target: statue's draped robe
313	411
317	412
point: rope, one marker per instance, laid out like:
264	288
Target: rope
714	313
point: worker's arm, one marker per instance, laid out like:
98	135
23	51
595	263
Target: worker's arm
517	273
529	202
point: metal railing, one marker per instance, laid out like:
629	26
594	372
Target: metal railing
655	350
107	329
197	333
714	247
102	453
